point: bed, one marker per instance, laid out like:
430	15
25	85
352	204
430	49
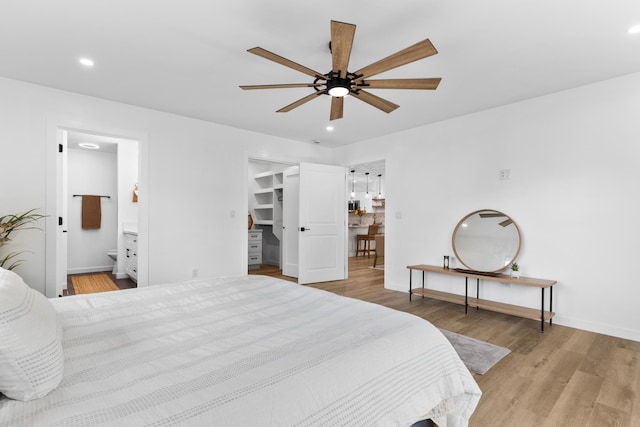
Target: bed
233	351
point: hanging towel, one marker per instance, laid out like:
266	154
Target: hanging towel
91	212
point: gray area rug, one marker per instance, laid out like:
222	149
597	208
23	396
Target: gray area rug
478	356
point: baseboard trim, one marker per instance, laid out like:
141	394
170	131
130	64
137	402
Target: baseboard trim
84	270
599	328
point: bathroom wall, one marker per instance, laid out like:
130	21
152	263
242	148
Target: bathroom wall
91	172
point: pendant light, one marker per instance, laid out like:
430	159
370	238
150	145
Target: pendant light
367	174
353	183
379	196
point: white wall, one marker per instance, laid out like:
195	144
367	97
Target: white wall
91	172
193	178
573	192
573	157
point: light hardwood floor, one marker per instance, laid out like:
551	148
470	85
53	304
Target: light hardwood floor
564	377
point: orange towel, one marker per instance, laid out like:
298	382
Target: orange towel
91	212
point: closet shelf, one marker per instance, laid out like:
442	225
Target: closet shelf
263	191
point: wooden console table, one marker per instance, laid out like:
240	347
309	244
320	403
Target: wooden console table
514	310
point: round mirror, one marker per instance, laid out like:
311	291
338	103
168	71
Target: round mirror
486	241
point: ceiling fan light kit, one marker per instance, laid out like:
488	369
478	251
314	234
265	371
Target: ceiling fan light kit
338	87
339	82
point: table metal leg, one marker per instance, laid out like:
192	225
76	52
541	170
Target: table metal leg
466	293
410	288
423	285
550	304
477	294
542	313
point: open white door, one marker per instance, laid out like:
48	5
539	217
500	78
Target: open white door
61	202
290	218
322	225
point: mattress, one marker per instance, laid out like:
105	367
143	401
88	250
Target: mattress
247	351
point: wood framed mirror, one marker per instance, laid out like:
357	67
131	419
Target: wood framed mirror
486	241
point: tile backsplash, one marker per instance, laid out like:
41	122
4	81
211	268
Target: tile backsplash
367	219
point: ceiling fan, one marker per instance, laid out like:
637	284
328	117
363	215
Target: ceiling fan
340	82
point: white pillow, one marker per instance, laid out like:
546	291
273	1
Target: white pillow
31	358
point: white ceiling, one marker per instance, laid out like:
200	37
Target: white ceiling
189	57
105	143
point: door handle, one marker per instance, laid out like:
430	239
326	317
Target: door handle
304	229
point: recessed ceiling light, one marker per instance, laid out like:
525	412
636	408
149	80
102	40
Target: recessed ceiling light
635	29
89	145
329	128
86	62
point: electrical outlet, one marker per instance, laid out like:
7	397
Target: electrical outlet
194	273
504	174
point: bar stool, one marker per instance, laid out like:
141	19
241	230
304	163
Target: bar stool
366	239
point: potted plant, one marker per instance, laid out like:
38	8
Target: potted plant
11	223
515	270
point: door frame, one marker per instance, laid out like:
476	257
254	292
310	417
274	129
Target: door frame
52	208
248	157
290	227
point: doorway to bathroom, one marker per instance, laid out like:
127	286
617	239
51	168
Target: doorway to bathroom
100	210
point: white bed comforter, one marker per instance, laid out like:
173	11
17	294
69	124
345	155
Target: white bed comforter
247	351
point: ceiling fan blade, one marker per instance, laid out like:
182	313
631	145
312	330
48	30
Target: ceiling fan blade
341	42
376	101
337	107
281	86
284	61
299	102
413	53
429	84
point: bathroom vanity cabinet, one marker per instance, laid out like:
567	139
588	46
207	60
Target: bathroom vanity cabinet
131	260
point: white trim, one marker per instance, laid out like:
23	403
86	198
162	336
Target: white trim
84	270
597	327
